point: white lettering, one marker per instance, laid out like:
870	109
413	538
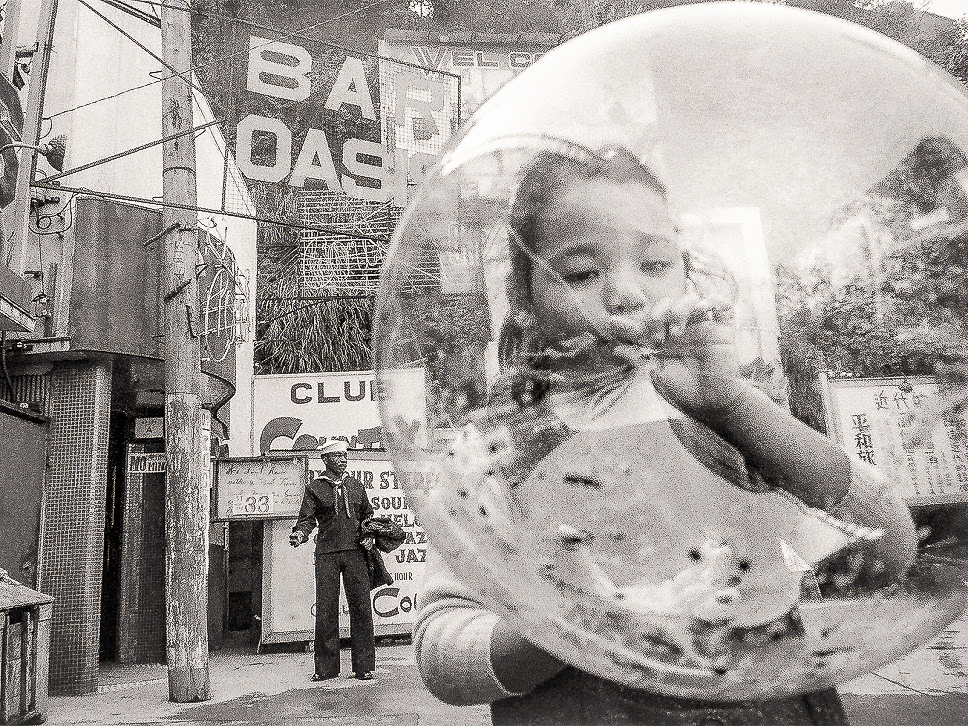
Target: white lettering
423	97
263	70
246	131
352	150
350	87
314	162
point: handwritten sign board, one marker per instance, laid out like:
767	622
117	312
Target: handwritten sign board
874	419
259	487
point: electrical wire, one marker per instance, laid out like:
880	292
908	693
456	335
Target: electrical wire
260	26
114	157
6	371
137	42
286	314
173	74
151	19
229	56
218	212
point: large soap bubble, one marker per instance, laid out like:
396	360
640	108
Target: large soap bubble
799	181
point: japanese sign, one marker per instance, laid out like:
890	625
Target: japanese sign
875	418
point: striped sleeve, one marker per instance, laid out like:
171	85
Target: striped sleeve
452	639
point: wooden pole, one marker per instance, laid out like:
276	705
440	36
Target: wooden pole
186	503
8	41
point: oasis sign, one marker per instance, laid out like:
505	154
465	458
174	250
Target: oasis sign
315	122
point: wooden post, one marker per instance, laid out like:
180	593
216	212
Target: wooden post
8	41
186	502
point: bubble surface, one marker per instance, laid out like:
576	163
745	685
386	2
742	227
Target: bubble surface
661	205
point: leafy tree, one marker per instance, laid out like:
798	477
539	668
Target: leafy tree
899	304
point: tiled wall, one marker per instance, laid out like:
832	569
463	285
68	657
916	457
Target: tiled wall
73	537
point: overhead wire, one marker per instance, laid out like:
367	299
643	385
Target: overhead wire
174	73
297	34
134	40
228	56
207	210
186	75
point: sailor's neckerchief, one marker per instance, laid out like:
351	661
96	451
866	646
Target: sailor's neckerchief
337	485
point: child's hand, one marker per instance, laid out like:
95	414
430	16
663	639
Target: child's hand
695	366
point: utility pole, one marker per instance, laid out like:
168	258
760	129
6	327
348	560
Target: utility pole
19	209
186	503
11	32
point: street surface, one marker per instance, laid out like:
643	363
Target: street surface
928	688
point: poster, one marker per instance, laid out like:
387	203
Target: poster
294	413
874	418
288	598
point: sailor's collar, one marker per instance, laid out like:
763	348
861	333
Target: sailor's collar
332	482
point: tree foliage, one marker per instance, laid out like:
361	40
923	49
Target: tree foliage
886	294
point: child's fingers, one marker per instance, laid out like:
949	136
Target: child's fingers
631	328
669	323
702	340
675	316
634	355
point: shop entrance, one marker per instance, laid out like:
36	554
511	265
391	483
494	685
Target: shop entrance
141	581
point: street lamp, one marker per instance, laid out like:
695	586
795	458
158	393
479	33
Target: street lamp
54	150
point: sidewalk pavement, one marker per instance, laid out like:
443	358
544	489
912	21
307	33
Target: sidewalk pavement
927	688
268	689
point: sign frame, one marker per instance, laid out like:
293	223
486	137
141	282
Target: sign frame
298	464
836	431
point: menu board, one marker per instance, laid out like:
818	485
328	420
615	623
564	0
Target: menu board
876	420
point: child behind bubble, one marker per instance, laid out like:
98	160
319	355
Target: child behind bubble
600	283
609	327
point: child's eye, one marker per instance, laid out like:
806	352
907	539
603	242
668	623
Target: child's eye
656	267
579	277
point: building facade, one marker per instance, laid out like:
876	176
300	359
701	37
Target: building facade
86	386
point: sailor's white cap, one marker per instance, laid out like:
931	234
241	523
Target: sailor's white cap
333	446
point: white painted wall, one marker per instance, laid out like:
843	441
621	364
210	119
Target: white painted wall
92	61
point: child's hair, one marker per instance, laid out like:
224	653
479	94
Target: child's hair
521	349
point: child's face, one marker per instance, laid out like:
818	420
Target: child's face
613	253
